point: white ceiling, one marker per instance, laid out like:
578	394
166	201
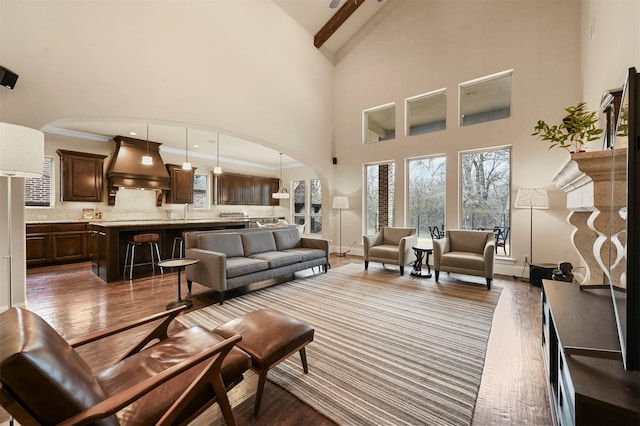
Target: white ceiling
310	14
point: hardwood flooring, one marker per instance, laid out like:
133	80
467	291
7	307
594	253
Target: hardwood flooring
512	391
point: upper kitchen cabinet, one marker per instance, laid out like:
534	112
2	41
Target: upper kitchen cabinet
82	176
180	185
236	189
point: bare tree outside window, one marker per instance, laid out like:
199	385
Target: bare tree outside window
486	189
427	195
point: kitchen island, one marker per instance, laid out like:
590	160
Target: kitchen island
108	241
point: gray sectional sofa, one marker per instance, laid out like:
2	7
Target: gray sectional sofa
235	258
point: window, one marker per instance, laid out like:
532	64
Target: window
379	123
299	202
38	192
485	99
201	198
316	206
426	196
486	189
426	113
379	188
311	218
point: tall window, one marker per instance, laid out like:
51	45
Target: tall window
299	202
38	192
201	192
426	196
380	196
486	189
311	217
316	207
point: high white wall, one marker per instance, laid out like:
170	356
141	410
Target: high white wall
610	45
412	47
240	66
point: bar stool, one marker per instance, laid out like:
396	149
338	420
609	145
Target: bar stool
152	240
178	241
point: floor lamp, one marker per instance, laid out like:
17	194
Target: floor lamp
531	198
342	203
21	155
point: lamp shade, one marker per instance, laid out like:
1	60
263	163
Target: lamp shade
340	202
21	151
534	198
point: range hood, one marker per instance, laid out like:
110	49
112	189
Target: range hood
127	171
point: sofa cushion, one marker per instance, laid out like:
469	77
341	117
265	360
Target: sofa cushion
277	258
287	238
237	266
258	242
229	244
308	253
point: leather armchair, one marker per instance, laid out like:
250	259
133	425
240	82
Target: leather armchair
43	380
465	252
391	245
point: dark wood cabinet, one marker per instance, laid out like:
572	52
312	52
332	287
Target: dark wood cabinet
578	330
180	184
56	243
98	244
68	242
82	176
38	244
236	189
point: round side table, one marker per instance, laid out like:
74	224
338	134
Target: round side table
420	252
180	264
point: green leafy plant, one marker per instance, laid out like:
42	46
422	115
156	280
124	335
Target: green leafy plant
577	128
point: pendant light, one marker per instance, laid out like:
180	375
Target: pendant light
186	165
217	170
282	192
147	160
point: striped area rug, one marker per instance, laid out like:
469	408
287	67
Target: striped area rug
387	349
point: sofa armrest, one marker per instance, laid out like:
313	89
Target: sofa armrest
406	252
316	243
211	271
489	255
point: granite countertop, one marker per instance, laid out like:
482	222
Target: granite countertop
134	222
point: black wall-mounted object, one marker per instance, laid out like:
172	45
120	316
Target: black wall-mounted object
8	78
335	160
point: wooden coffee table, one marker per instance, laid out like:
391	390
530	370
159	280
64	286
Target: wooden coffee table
180	264
420	252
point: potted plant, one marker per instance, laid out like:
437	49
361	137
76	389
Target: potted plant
577	128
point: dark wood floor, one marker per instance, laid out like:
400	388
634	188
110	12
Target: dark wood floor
512	391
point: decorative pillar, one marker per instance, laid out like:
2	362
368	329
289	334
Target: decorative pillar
599	235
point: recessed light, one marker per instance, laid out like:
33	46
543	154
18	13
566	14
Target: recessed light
133	134
196	146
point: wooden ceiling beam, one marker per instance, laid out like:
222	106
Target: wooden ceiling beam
336	21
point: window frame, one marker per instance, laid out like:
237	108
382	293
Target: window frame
509	212
484	79
427	238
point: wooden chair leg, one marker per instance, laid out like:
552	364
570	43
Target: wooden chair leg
303	358
261	382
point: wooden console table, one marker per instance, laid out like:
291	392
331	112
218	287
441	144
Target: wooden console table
585	389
